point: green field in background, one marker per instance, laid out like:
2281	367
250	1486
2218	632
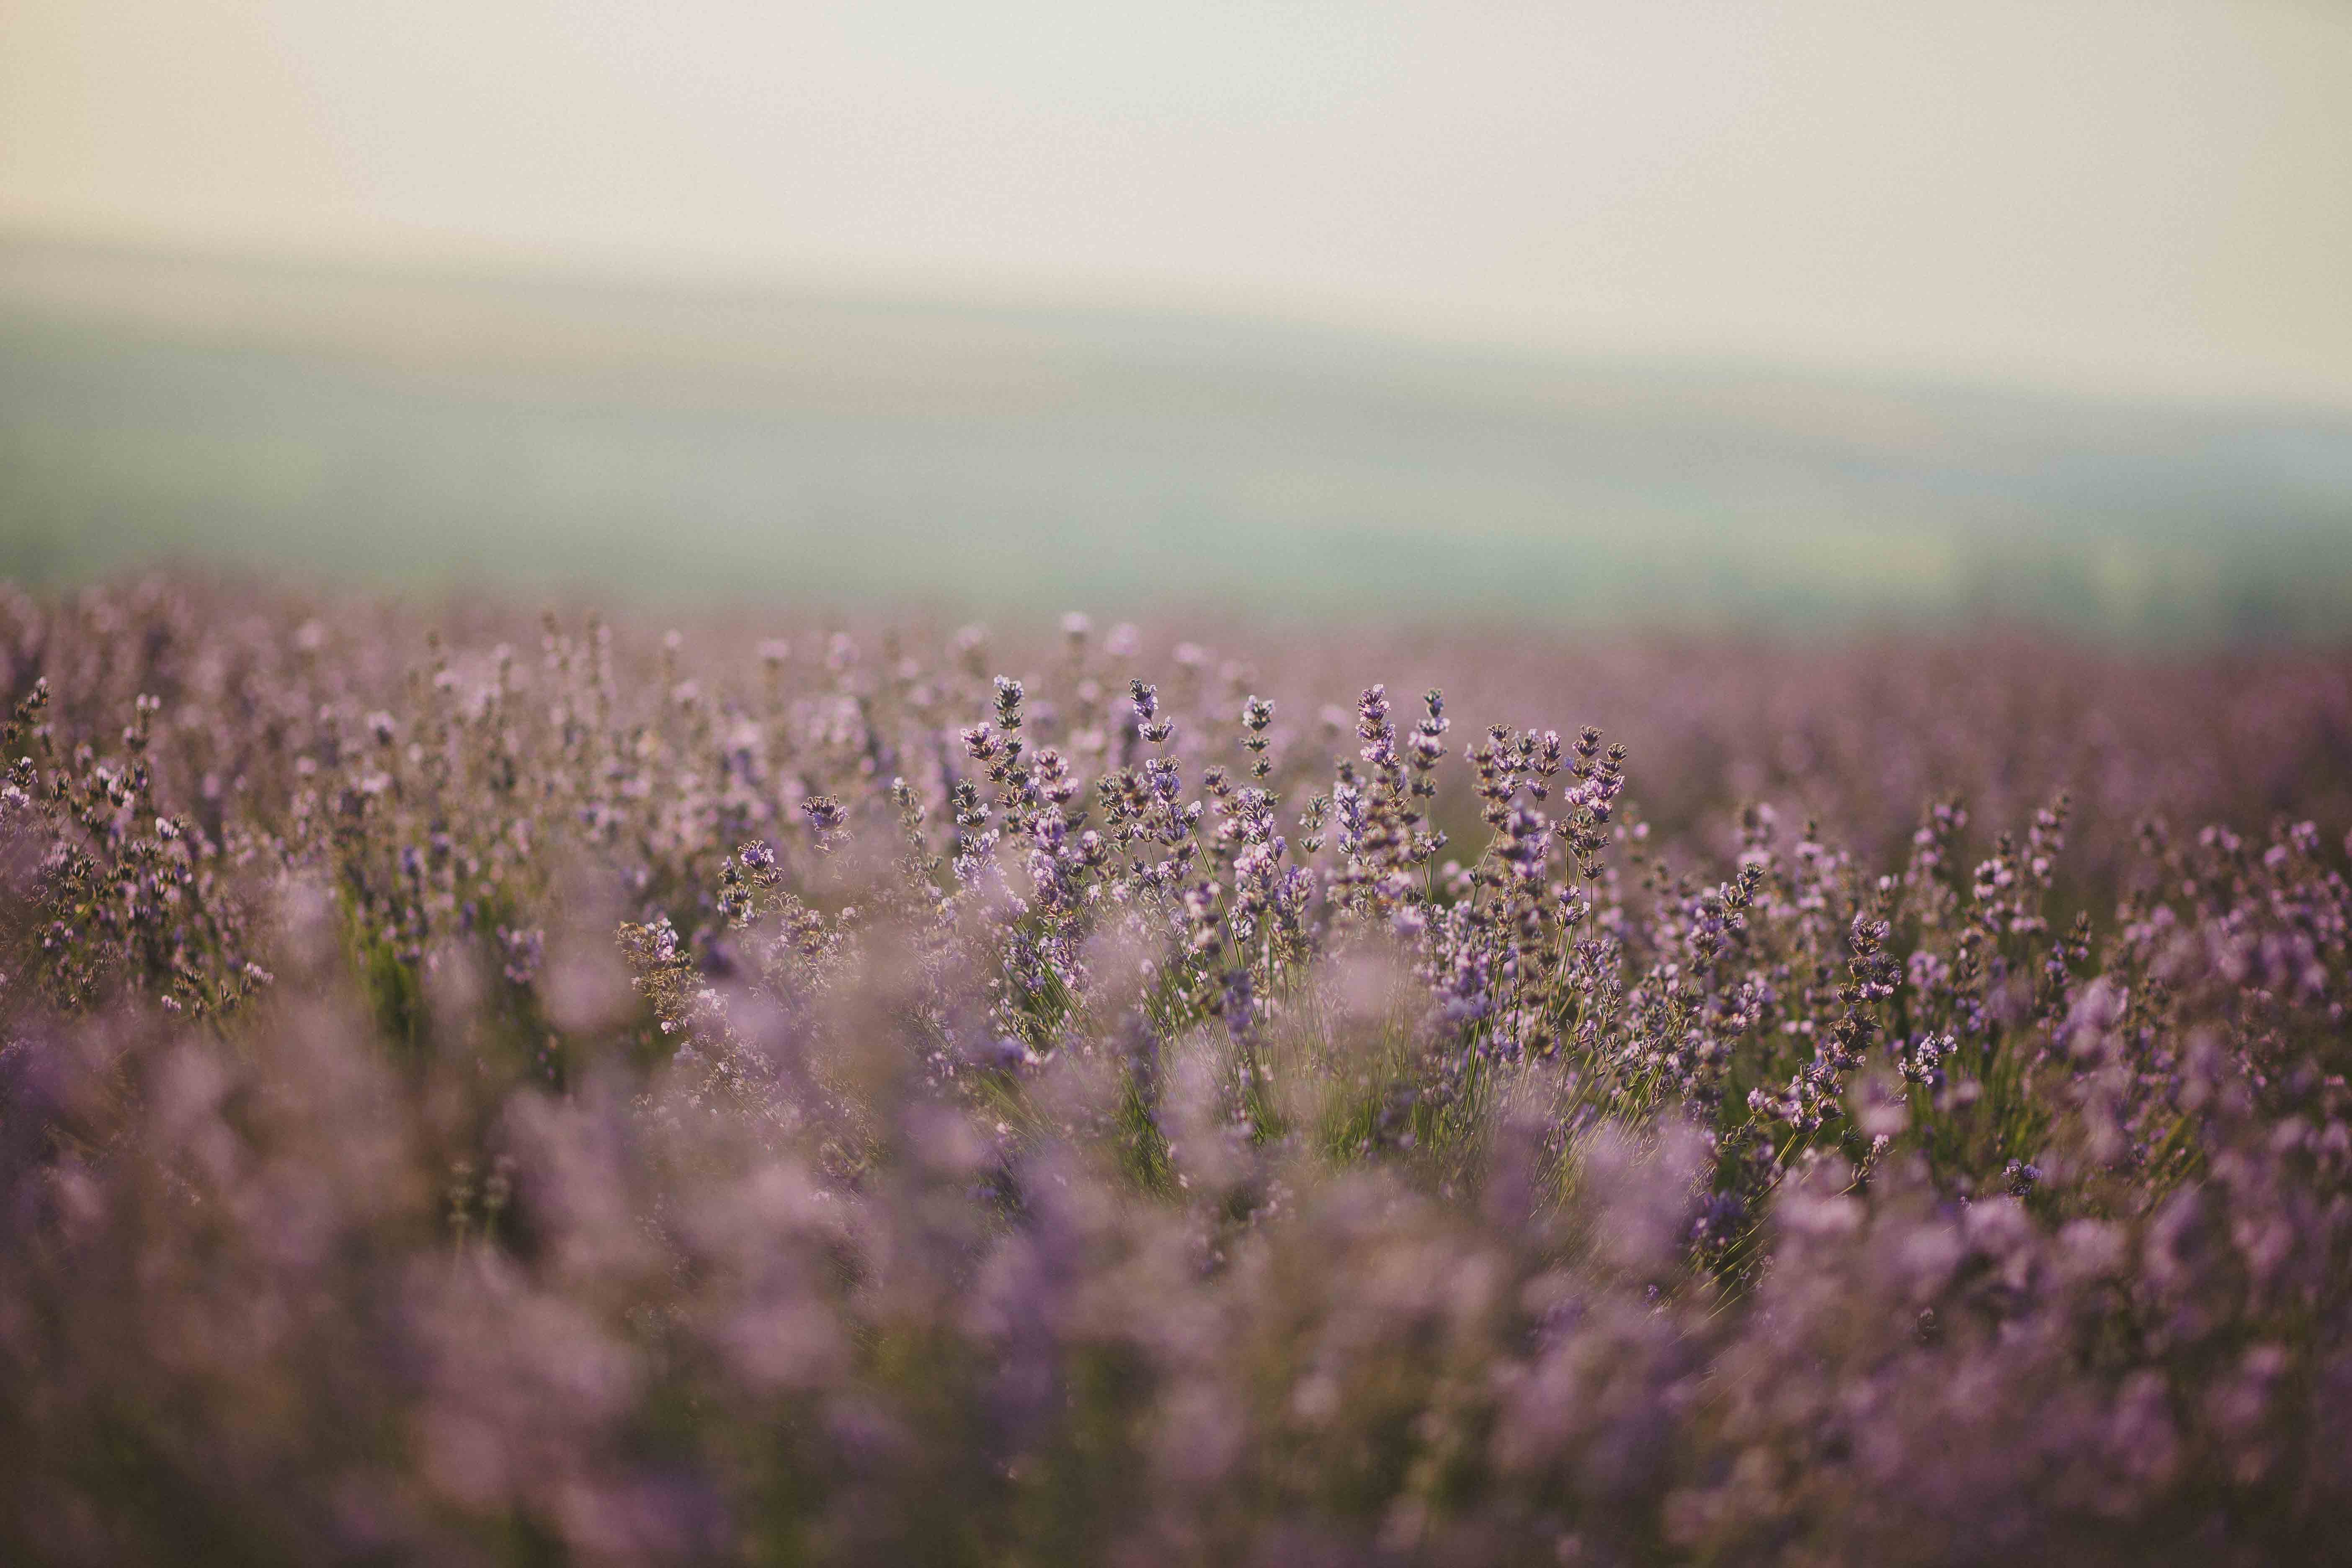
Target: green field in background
438	432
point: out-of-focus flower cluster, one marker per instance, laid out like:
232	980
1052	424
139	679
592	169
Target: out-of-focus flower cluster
476	1095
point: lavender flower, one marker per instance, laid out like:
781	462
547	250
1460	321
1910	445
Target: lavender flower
448	1112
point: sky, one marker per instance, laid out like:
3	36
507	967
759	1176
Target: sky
2151	198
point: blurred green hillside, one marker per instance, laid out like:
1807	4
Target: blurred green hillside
450	430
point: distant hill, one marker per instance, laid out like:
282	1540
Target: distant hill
713	442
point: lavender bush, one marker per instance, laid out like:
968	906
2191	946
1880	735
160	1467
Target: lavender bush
471	1092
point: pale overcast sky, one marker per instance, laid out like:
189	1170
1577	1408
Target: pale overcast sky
2151	196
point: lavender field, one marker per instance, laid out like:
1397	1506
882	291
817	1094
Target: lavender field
479	1087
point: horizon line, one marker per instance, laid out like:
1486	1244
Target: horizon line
474	262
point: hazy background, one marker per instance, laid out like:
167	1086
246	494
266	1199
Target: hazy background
1802	315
